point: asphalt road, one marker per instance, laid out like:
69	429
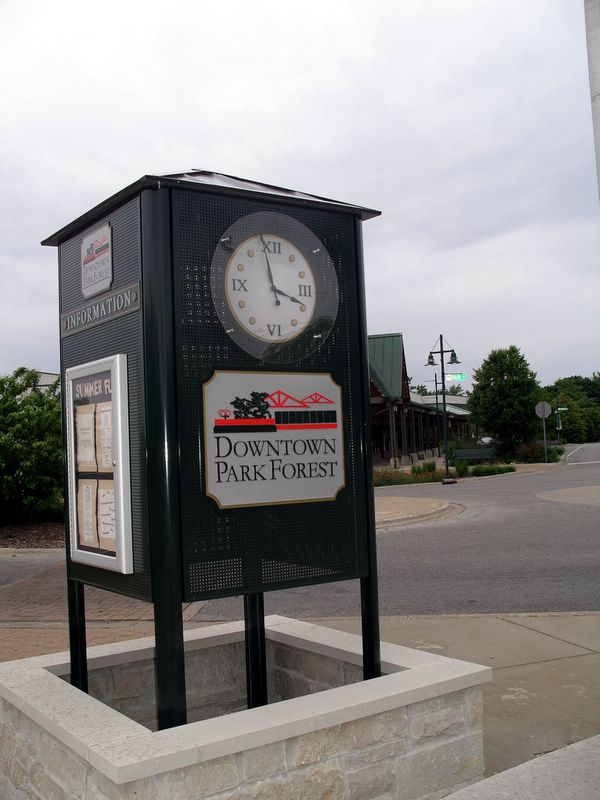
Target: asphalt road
583	453
524	543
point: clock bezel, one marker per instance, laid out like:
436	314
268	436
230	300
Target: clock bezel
312	336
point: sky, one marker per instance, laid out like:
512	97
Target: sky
467	123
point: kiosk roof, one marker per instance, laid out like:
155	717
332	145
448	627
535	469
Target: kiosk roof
208	181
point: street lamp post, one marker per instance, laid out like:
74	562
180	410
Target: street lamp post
437	416
431	363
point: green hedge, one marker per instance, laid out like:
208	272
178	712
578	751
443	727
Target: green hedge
397	477
481	470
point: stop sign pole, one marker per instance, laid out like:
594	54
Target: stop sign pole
544	410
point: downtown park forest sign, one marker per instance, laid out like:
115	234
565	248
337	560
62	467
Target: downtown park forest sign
272	438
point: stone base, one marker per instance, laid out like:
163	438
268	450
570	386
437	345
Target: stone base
414	733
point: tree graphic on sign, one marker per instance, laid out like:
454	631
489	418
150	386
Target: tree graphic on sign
254	407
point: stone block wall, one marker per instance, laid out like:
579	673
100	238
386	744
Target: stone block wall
295	672
215	684
414	734
421	752
216	680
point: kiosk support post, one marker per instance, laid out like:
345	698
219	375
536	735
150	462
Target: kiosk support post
256	653
163	490
369	593
77	634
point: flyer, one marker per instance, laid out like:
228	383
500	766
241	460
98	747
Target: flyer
85	437
107	528
104	436
87	526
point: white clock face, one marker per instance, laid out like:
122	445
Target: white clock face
270	288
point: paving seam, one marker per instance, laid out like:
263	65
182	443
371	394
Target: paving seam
549	635
543	661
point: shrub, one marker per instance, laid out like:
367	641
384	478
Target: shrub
555	454
462	468
533	453
530	452
397	477
423	469
482	470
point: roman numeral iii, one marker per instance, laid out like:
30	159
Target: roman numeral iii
304	290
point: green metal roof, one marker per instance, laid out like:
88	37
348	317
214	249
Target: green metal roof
450	409
386	357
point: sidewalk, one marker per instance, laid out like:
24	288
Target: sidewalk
545	693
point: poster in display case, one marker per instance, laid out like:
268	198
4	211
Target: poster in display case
98	464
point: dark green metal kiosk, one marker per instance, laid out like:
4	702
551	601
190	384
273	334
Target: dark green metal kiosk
216	407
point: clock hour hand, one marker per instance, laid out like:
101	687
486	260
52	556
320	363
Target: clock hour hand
270	274
289	296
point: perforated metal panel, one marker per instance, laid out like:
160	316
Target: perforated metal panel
116	336
242	550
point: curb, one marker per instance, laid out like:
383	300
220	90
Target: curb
444	510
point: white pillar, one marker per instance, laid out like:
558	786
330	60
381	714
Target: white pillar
592	24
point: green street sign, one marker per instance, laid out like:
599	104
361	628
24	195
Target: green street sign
456	376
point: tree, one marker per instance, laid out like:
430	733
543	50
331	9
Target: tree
581	396
456	390
421	389
502	402
31	454
256	407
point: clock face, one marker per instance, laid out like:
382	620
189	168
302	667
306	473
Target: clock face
274	287
270	287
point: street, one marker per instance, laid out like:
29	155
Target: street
525	543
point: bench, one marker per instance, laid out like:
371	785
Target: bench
474	454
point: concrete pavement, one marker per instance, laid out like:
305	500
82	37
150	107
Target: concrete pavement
545	693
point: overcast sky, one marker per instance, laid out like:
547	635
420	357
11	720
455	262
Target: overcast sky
466	122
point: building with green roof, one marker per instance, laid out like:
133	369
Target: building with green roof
405	426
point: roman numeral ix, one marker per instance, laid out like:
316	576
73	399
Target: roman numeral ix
239	284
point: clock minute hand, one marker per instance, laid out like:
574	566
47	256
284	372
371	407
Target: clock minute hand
270	274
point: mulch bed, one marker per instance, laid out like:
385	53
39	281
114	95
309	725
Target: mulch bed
41	534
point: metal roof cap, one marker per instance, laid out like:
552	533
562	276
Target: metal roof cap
209	181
